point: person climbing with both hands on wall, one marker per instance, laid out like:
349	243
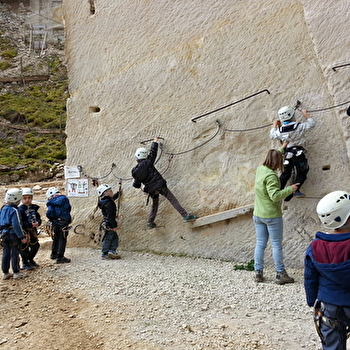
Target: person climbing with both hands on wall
267	215
12	235
31	220
109	225
154	184
327	271
287	130
58	212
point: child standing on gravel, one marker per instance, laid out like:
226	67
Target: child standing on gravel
12	235
31	220
58	212
109	225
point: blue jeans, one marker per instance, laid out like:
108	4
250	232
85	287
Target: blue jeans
264	229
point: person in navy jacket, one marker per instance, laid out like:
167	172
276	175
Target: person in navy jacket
327	271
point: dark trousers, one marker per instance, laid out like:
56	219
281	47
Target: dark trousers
29	250
334	335
110	242
164	191
10	255
59	241
301	166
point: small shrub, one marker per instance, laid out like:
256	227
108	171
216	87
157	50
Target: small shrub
9	53
4	65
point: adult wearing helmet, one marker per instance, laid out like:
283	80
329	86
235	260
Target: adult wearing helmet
31	220
327	271
110	239
12	235
154	184
286	129
58	212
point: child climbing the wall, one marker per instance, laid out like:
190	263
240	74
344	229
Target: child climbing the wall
286	129
154	184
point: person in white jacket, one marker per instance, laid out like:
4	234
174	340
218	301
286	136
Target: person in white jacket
287	130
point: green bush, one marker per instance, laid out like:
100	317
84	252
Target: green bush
4	65
9	53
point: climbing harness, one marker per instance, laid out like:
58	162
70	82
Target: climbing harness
319	318
229	105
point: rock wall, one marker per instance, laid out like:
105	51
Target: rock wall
140	69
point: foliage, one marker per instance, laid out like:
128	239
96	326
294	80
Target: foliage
9	53
249	266
33	120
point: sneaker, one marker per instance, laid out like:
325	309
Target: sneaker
283	278
298	194
113	255
19	275
259	276
7	276
151	225
189	217
105	257
28	267
53	256
62	260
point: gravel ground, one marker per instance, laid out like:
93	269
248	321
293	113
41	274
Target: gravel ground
146	301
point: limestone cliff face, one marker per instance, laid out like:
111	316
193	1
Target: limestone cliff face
140	69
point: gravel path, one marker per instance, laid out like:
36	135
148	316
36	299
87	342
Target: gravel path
146	301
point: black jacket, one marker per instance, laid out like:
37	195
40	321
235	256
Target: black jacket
146	173
29	214
109	210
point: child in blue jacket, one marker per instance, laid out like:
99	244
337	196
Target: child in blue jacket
12	235
327	271
58	212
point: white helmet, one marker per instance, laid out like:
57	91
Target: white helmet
51	192
13	195
26	191
141	153
334	209
102	188
285	113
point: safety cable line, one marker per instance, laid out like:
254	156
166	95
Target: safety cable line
240	130
80	168
325	109
229	105
202	144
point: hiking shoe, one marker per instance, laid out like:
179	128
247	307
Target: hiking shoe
259	276
33	263
189	217
113	255
53	256
19	275
105	257
151	225
7	276
298	194
62	260
283	278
